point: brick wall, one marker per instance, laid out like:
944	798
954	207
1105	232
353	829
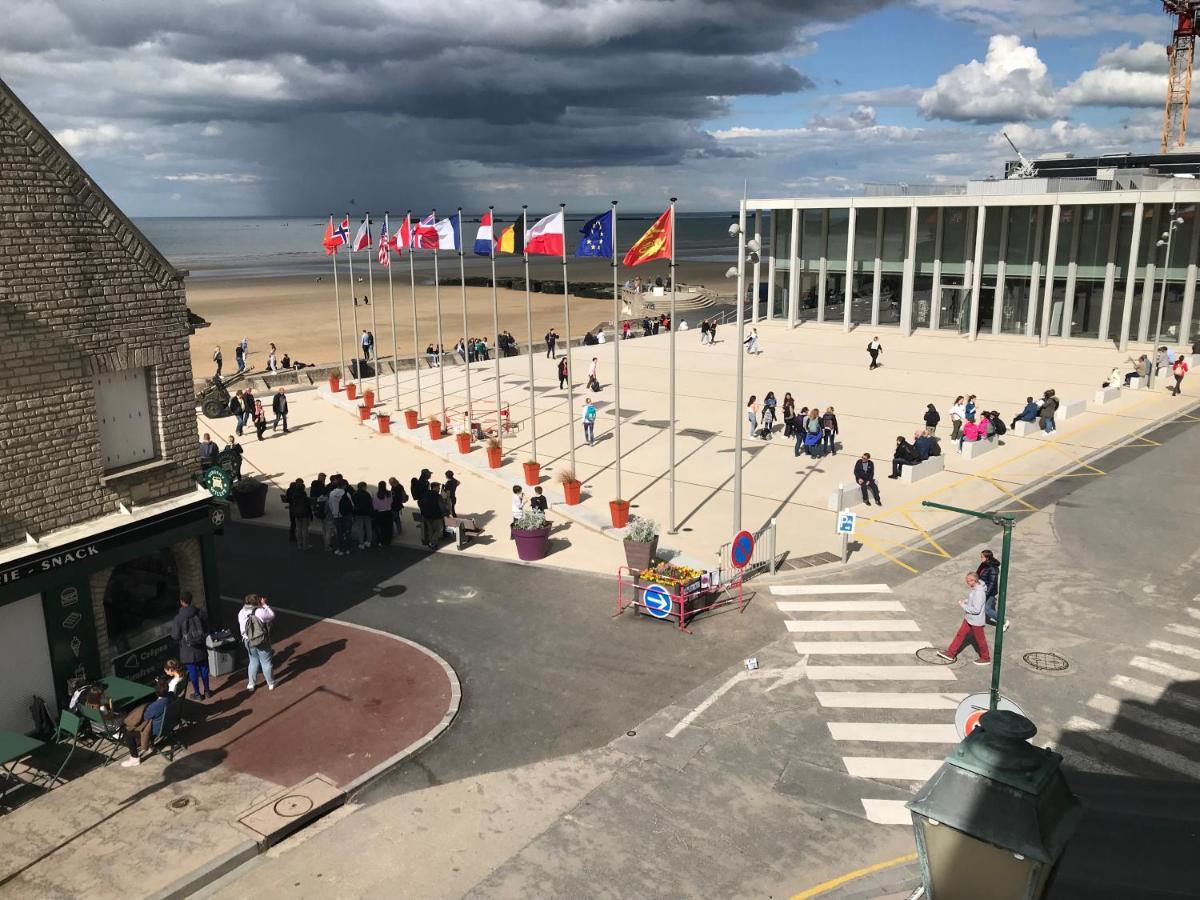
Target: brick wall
81	292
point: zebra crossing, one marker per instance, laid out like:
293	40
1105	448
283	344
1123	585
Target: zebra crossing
896	735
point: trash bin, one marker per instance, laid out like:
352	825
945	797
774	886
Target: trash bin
221	648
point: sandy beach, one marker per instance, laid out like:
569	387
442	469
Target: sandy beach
299	314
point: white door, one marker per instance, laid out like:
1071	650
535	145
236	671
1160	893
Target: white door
26	656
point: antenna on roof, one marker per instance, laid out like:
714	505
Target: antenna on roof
1024	168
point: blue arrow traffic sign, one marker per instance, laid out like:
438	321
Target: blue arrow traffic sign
658	601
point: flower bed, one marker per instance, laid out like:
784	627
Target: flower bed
670	576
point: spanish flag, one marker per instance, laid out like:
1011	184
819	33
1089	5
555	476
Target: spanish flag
512	240
656	243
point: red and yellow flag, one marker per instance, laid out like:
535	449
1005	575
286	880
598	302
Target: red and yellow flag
656	243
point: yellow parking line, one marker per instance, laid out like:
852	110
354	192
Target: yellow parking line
992	481
1067	453
927	535
827	886
874	546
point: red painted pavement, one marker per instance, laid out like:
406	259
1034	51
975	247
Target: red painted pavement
345	700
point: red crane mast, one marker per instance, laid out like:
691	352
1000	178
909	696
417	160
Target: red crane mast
1179	71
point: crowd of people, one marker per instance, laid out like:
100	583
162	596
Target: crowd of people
1165	360
815	431
247	409
275	362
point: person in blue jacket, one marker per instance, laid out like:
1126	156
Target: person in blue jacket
145	723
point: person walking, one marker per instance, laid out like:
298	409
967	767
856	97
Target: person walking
279	406
957	414
594	375
237	406
932	417
239	355
829	432
703	332
752	414
972	625
254	625
589	421
752	343
988	572
712	332
260	419
1179	369
189	629
551	339
864	476
218	359
563	373
874	349
272	361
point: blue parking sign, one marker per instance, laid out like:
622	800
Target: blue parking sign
846	522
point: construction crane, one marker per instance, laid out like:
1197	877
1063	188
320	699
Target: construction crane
1179	71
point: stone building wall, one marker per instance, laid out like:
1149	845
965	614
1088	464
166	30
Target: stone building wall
82	292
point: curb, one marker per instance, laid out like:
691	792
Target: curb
209	872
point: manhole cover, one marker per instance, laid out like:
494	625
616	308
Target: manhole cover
631	734
292	805
930	655
179	803
1044	661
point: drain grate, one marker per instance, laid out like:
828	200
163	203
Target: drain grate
930	655
1044	661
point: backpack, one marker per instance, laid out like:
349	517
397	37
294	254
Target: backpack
827	420
193	631
346	505
999	425
255	632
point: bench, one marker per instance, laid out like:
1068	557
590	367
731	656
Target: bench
1069	409
1135	383
844	497
463	528
1025	429
972	449
931	466
1107	395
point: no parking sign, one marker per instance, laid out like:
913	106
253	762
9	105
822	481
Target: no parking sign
741	551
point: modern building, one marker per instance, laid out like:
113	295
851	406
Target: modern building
101	522
1040	258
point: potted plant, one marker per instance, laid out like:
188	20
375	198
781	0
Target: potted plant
532	534
364	412
641	543
495	453
570	485
250	495
385	423
435	429
681	582
619	510
533	472
464	441
368	398
351	391
411	419
335	383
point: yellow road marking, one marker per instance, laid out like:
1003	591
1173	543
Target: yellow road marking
885	554
927	536
827	886
992	481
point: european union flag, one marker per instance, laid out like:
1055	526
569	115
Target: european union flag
597	236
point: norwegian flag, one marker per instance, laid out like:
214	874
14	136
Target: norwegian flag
385	245
335	236
426	236
362	239
402	239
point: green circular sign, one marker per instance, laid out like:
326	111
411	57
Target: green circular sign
217	482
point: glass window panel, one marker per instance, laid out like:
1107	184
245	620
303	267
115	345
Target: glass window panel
1085	309
839	226
895	237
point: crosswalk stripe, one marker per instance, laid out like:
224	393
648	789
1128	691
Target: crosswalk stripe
892	768
1190	652
887	812
880	700
1075	760
893	732
1184	630
858	648
1145	717
852	625
1167	759
839	606
1154	693
1165	669
879	673
790	590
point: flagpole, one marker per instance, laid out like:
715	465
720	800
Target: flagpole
437	302
616	354
467	349
412	280
570	372
387	227
371	290
354	308
671	367
496	326
529	326
337	301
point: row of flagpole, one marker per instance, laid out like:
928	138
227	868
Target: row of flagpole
654	244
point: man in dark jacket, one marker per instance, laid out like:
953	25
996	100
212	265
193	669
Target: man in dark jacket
864	476
904	455
932	417
433	521
364	511
208	452
988	574
1028	414
237	406
291	499
418	486
189	628
923	446
279	404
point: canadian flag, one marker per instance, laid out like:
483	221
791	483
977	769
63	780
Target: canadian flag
402	239
546	236
362	240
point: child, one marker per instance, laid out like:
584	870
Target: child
539	501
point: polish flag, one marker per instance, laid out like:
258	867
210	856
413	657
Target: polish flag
362	240
546	236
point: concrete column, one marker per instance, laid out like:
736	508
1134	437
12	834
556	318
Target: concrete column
877	280
757	276
1149	292
849	286
935	295
1035	273
1072	271
1051	254
1110	273
1135	240
977	274
771	265
794	269
910	271
823	271
1189	287
1001	267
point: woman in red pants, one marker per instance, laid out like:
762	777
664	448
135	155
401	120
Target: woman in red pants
973	622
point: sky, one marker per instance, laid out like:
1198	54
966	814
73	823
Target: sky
305	107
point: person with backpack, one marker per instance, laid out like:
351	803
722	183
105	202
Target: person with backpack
589	421
189	629
813	432
254	625
1178	369
829	432
1046	413
996	426
988	574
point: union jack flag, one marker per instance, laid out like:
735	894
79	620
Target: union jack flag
385	243
426	236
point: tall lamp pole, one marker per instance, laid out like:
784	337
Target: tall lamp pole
1167	240
739	230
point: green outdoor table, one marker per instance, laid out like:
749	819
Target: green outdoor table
125	693
13	748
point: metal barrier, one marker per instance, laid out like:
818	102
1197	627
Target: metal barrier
764	557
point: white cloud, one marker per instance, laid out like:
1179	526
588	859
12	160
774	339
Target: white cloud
1149	56
1010	83
89	138
215	177
902	95
1125	76
1048	18
1078	137
212	129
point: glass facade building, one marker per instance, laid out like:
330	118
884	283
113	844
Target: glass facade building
1043	259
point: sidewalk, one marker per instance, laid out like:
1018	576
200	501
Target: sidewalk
348	702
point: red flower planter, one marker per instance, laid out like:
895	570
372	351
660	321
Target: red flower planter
351	391
435	429
410	419
335	384
364	413
619	510
571	492
385	424
464	442
533	473
369	398
495	457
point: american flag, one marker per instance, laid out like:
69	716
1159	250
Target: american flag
385	256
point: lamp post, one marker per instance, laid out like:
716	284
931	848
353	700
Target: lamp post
739	272
1167	240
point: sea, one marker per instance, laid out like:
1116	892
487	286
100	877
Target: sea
250	247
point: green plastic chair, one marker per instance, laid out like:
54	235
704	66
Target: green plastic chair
69	726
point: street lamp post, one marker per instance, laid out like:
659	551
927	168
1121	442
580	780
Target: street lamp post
739	230
1167	240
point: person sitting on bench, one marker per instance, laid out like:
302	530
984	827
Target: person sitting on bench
1029	413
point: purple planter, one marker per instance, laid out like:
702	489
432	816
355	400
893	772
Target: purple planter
532	545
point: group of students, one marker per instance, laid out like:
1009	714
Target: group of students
661	322
815	432
1165	358
247	408
472	350
356	516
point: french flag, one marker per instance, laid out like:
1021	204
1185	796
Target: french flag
449	233
484	236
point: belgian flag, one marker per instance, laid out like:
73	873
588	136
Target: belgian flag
512	240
